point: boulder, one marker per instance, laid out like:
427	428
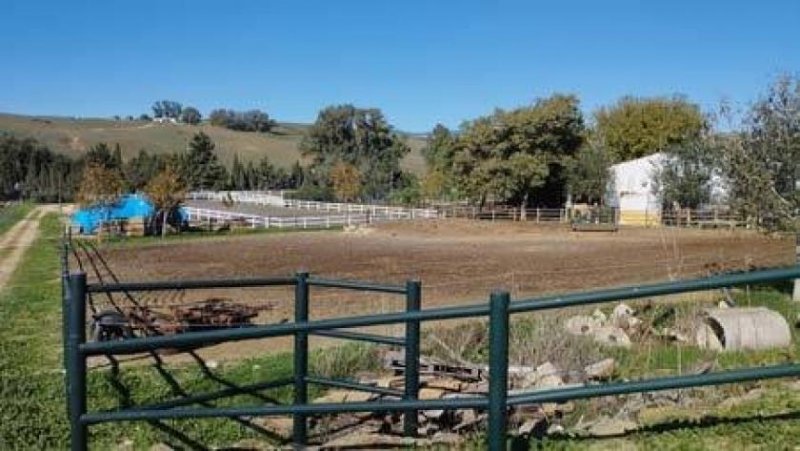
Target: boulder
601	370
608	427
582	325
612	336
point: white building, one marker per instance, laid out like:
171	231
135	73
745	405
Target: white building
632	190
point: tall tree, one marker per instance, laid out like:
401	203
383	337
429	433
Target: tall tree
100	154
588	174
635	127
762	163
439	148
346	182
191	115
201	168
167	108
140	169
685	175
513	155
167	192
99	185
358	137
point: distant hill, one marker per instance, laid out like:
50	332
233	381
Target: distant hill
74	136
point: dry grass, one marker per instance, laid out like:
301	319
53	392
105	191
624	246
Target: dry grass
75	136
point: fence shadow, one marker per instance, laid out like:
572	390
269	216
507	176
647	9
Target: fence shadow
706	422
99	266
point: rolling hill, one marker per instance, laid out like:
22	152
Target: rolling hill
74	136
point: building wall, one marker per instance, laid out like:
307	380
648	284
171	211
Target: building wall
631	190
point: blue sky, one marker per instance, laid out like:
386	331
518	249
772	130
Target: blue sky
420	62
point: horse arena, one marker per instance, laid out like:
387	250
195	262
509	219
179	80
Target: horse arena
457	261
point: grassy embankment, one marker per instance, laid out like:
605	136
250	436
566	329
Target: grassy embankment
31	380
74	136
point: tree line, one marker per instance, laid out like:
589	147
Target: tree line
547	152
245	121
540	154
30	170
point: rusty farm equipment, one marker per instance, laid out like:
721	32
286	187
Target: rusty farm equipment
140	321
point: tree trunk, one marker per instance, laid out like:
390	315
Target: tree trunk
164	223
523	214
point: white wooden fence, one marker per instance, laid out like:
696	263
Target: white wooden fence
205	215
276	199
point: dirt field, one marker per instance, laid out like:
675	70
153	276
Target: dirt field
458	261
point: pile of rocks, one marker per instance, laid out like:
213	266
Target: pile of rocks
613	330
442	426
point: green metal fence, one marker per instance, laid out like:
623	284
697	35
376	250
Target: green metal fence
498	309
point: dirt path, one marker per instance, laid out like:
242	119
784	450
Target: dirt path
16	240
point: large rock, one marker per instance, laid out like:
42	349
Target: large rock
612	336
601	370
582	325
608	427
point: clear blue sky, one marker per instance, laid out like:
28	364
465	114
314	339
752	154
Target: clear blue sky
422	62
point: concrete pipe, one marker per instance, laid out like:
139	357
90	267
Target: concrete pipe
732	329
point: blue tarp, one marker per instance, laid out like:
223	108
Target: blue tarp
131	206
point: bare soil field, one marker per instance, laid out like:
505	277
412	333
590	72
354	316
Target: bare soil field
458	262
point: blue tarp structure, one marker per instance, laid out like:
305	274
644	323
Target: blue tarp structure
130	206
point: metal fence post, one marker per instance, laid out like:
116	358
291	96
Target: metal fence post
76	363
498	369
299	425
796	291
413	304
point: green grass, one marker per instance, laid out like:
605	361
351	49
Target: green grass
32	393
75	136
12	214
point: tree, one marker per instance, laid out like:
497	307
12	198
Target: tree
167	108
100	155
686	173
246	121
140	169
346	180
514	155
361	138
167	192
762	163
201	168
588	174
99	185
32	171
239	179
439	148
635	127
191	115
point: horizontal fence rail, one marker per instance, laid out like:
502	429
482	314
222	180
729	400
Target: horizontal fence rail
350	213
498	309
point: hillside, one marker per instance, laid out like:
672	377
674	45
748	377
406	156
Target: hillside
74	136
